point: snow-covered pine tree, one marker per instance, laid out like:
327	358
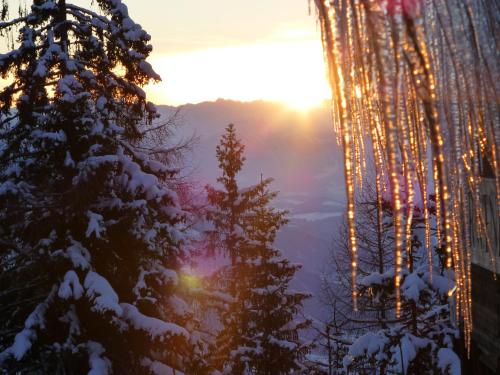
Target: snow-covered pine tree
420	341
90	233
332	343
261	325
225	212
375	255
267	326
227	203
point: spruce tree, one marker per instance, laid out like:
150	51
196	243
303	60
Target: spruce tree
261	326
90	233
228	203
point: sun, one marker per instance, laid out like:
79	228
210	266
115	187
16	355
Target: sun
292	73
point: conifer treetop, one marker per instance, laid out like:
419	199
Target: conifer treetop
65	52
230	156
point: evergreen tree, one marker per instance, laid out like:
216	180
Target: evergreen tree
332	343
421	340
90	232
260	332
228	203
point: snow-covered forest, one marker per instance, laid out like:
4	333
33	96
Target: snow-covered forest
107	228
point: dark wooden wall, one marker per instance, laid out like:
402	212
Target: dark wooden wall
485	358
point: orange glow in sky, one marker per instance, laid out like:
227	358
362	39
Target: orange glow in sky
233	49
288	72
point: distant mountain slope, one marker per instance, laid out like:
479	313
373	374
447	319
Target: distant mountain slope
295	148
298	150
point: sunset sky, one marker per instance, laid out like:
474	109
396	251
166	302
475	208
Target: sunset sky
233	49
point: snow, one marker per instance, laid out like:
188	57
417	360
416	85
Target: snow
407	350
22	343
402	352
24	339
370	343
58	136
128	24
156	166
95	225
141	180
376	278
96	161
315	216
158	368
441	284
283	343
96	22
101	102
178	305
8	187
47	5
133	35
246	350
148	69
120	8
71	318
412	286
79	256
101	292
156	328
68	160
98	127
151	107
98	364
71	286
150	236
269	289
71	89
169	276
225	297
449	362
41	69
113	127
71	65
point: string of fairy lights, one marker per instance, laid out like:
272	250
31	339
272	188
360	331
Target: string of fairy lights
417	79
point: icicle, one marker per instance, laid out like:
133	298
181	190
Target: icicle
337	84
407	138
418	79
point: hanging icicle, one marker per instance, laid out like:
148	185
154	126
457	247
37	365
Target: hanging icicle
420	79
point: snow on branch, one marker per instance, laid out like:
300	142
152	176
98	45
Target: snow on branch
24	339
156	328
70	287
96	225
99	365
102	293
158	368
